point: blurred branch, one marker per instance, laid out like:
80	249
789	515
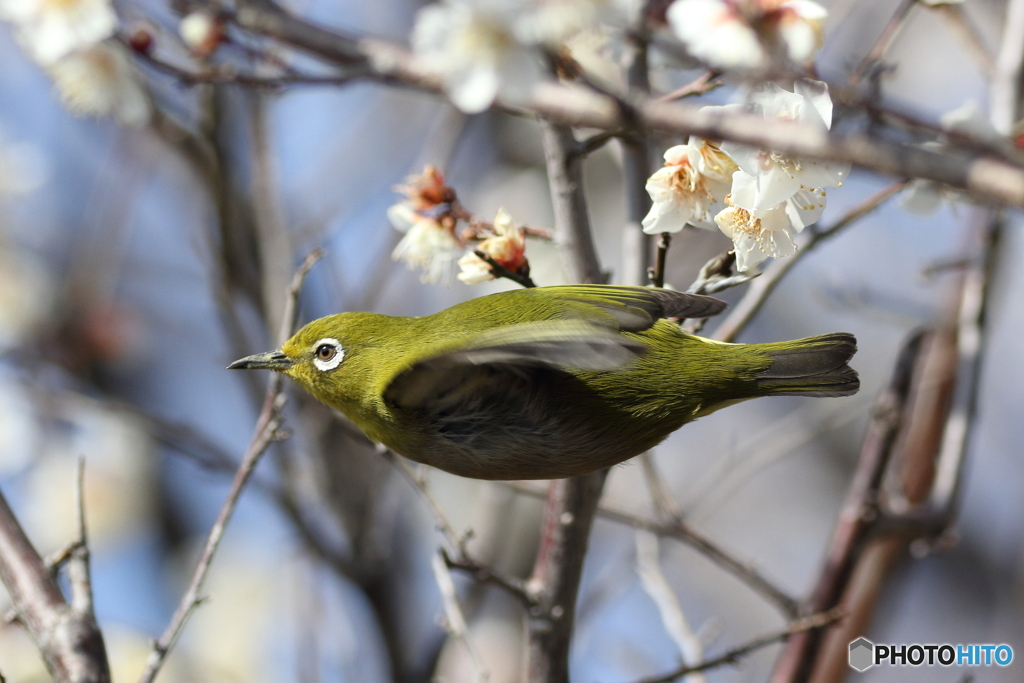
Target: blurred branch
703	84
456	556
455	621
743	312
684	532
964	30
648	566
733	656
884	41
67	635
554	584
572	225
636	165
266	432
987	174
860	512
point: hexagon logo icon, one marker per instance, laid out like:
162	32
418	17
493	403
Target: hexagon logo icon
862	654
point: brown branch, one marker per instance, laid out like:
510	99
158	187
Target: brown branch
658	272
992	177
859	514
554	584
743	312
266	432
733	656
681	531
572	224
67	635
636	167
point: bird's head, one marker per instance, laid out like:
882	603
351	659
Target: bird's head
332	358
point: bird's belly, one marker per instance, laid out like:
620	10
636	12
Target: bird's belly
529	435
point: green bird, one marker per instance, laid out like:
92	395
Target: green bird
544	383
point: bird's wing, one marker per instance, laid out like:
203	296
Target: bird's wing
562	344
638	308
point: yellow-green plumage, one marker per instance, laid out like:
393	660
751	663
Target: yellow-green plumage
547	382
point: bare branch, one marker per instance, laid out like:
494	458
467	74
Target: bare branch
988	175
67	635
859	513
568	516
266	432
572	225
686	533
455	621
648	566
733	656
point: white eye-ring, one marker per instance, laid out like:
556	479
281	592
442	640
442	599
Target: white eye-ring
327	354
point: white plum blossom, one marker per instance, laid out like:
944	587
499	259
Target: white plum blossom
428	244
748	34
507	247
778	177
428	217
52	29
472	46
100	81
760	233
690	188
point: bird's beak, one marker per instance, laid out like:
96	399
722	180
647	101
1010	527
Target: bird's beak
272	360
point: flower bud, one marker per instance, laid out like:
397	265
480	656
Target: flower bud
202	32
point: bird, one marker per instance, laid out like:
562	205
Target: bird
545	382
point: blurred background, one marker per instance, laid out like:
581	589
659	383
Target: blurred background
129	279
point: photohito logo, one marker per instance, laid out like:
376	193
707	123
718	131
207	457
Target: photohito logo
864	654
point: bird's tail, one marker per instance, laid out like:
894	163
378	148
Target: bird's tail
815	366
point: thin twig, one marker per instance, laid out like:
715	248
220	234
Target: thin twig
455	621
703	84
498	270
687	534
758	293
457	556
884	41
510	584
658	272
733	656
228	75
266	432
654	583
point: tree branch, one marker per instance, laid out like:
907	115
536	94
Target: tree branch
988	175
266	432
67	635
572	224
732	656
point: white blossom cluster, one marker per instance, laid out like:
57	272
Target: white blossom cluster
72	41
483	48
758	198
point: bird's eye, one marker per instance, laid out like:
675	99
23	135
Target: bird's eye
327	354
